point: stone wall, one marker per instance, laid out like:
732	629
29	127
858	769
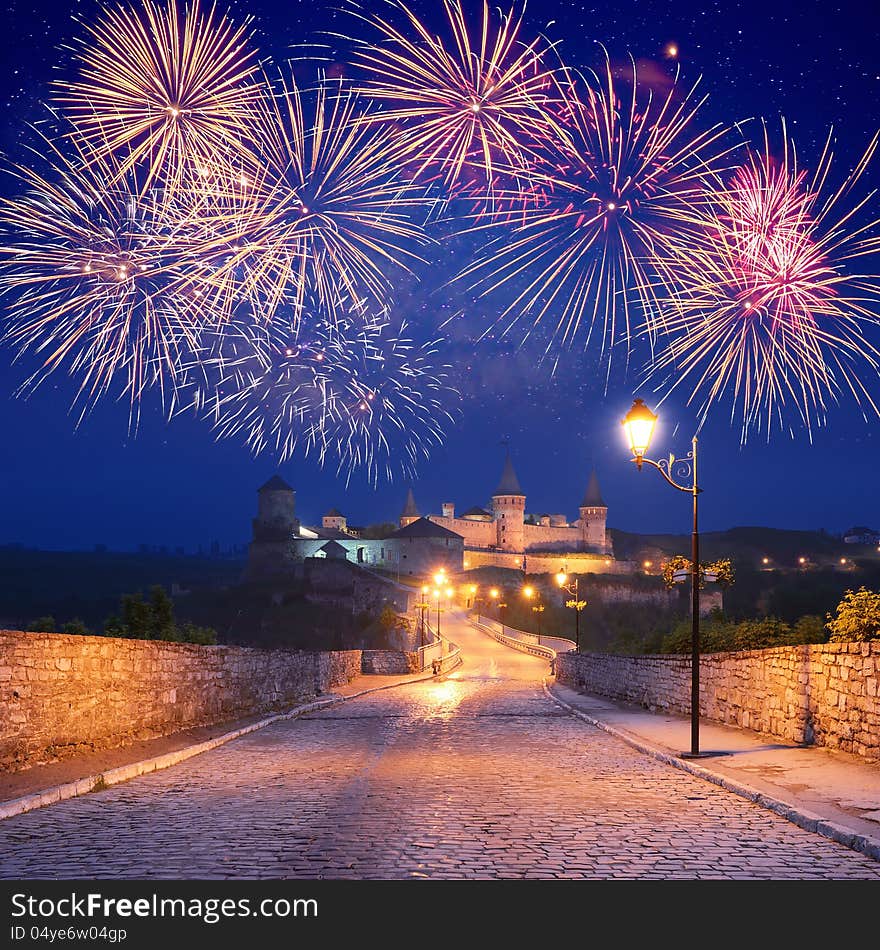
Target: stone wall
823	694
60	694
575	563
389	661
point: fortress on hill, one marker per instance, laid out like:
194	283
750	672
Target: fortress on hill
502	534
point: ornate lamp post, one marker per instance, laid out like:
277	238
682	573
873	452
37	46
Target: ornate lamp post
576	604
529	593
423	606
639	425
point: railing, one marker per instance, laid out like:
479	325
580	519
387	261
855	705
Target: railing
440	655
430	651
525	642
557	644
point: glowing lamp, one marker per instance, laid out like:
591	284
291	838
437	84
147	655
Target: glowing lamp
561	578
528	591
639	424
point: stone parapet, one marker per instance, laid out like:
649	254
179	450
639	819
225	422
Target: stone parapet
818	694
61	694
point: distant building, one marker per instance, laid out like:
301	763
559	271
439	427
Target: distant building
502	534
861	535
280	540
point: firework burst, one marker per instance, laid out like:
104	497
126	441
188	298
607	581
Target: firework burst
320	209
774	316
465	112
96	277
617	193
354	395
165	86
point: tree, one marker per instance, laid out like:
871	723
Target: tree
136	616
42	625
75	627
162	615
858	617
154	620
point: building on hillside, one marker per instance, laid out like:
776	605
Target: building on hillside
861	535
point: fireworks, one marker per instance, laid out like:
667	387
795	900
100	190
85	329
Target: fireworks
771	318
618	193
358	396
167	87
95	279
321	212
468	110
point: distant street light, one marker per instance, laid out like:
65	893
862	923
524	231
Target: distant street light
424	606
529	593
639	425
576	604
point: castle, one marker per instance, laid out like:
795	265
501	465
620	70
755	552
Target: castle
501	535
504	535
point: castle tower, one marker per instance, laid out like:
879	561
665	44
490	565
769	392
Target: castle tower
410	511
594	513
334	520
508	510
273	529
276	511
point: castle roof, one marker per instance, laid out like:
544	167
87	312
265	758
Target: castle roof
593	494
423	528
333	549
334	513
476	512
331	533
410	510
509	484
275	483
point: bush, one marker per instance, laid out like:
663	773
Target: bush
858	617
154	620
42	625
718	635
75	627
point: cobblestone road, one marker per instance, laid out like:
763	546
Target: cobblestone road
479	776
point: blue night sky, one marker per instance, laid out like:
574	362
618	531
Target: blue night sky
172	484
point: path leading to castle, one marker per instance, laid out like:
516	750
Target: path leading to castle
478	776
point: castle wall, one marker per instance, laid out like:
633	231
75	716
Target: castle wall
477	534
579	563
560	539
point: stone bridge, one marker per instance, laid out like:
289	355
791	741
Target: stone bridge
477	774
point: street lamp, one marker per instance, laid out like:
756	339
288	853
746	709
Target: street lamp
529	593
472	599
639	425
577	604
424	606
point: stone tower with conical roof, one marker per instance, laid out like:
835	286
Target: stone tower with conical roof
594	513
508	510
274	529
410	511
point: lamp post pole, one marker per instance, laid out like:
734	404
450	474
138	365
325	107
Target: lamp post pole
695	613
639	425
